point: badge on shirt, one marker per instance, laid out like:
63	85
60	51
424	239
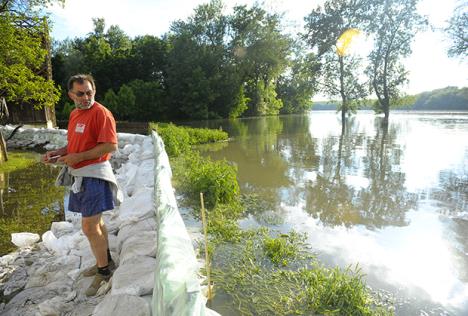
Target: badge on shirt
80	127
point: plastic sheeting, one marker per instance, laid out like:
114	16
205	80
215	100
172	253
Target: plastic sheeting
176	288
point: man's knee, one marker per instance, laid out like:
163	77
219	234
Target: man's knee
91	225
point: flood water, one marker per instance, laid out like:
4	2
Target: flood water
393	200
29	201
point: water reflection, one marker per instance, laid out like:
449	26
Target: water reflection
29	202
394	200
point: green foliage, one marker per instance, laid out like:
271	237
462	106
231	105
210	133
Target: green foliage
216	179
457	30
121	104
149	101
240	104
22	58
339	74
449	98
394	24
211	65
176	140
282	248
297	88
222	223
205	135
64	114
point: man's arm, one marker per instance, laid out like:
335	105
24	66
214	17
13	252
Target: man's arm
96	152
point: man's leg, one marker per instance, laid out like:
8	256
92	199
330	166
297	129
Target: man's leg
97	236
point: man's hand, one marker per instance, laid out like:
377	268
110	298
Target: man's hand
71	159
50	157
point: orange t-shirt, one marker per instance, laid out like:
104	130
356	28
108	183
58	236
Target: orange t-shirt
88	128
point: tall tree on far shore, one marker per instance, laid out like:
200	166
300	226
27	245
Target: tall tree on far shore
394	24
458	30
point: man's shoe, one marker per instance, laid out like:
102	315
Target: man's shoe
96	284
91	271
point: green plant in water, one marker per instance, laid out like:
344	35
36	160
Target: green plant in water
216	179
306	289
282	249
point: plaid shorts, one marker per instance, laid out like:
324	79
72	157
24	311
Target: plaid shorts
94	198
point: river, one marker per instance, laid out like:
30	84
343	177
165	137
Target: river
392	200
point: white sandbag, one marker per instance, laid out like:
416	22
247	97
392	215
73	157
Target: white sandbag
122	305
61	228
24	239
135	277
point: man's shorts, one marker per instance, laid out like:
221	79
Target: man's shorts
94	198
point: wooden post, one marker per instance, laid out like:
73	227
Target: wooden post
207	258
3	149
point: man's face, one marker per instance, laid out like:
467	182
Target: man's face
82	95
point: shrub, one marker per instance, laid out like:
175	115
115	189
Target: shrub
176	140
216	179
205	135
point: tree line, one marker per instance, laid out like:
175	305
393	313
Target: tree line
216	65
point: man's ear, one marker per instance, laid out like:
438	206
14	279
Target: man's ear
70	95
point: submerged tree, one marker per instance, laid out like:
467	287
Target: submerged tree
339	71
394	24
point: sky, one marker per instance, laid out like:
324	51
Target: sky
429	66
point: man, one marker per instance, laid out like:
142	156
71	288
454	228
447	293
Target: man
92	137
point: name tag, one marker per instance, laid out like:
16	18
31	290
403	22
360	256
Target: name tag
80	127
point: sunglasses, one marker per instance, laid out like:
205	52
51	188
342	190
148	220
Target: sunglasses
79	94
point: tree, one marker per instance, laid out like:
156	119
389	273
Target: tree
394	24
261	52
202	81
23	52
24	60
339	72
296	86
458	30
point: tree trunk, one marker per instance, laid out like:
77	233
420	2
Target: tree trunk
3	149
344	100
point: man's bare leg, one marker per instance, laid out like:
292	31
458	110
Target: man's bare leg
104	232
97	238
